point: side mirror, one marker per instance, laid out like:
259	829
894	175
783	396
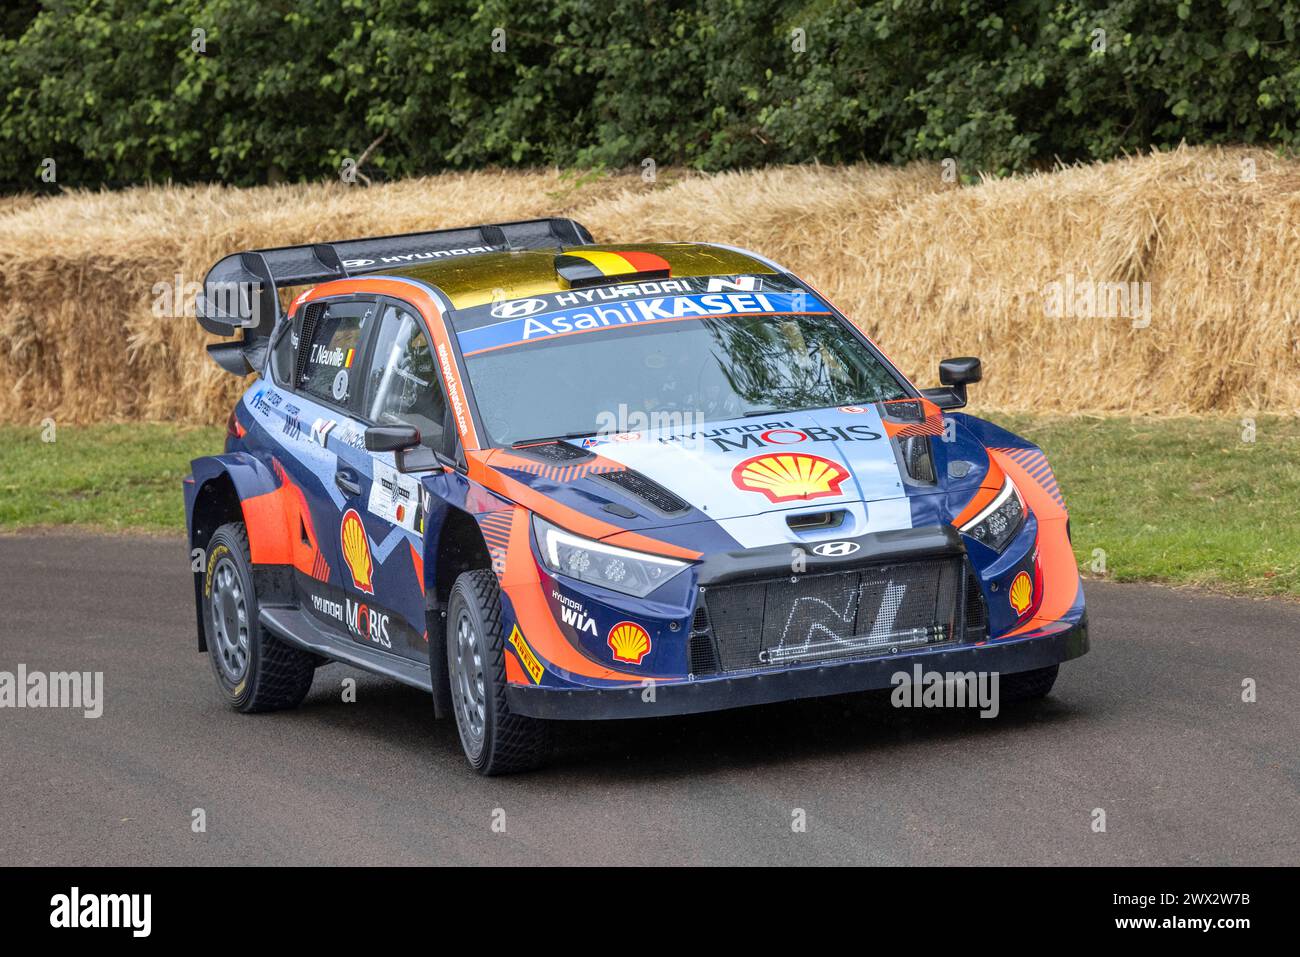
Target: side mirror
391	438
955	374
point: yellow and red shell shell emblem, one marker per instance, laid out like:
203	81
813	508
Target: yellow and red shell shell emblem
789	476
629	642
356	551
1021	593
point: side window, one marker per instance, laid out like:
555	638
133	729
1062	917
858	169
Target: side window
403	385
329	365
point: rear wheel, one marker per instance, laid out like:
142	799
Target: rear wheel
255	670
1028	685
494	740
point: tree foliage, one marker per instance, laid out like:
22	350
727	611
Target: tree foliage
189	90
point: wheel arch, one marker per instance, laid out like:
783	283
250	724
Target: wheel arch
461	547
216	492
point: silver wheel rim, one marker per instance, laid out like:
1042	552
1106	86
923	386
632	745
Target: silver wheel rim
467	688
230	621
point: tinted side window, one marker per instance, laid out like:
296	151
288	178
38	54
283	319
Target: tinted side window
330	364
403	385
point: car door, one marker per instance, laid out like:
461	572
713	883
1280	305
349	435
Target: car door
333	340
390	508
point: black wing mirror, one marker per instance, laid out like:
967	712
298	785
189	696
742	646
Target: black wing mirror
955	374
391	438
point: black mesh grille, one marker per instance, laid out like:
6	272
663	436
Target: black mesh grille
704	661
904	410
880	609
310	316
556	452
977	613
647	490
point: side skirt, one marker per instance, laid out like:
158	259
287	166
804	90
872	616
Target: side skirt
297	628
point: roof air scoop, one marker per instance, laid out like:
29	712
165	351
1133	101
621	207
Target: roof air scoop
579	268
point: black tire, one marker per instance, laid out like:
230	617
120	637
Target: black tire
502	743
1028	685
272	675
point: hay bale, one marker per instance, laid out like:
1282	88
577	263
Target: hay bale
927	268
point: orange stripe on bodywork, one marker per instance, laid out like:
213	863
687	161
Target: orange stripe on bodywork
431	312
515	672
273	521
1055	556
481	471
522	582
993	481
417	561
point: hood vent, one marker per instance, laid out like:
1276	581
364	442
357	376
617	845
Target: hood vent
646	489
555	452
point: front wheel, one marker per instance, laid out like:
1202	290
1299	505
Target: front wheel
494	740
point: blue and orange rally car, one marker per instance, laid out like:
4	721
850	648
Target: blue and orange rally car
547	479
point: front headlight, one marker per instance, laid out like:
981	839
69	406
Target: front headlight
1000	520
632	573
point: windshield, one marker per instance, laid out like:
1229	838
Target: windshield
699	370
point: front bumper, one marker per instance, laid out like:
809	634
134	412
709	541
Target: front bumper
1040	649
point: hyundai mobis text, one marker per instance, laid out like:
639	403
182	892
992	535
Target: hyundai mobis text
546	479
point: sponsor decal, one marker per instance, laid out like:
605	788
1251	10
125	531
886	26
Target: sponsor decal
574	614
526	656
336	357
758	435
423	513
417	257
1021	593
394	497
518	308
212	566
320	430
852	409
739	284
836	549
260	403
292	424
340	387
629	642
366	623
789	476
520	330
453	390
356	551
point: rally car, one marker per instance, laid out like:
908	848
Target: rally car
546	479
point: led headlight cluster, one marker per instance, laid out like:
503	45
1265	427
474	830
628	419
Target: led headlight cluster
1000	520
632	573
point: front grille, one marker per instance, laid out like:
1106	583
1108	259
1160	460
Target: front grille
646	489
876	610
977	612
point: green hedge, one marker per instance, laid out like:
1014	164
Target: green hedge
113	91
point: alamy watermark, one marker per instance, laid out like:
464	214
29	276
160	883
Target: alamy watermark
56	689
946	689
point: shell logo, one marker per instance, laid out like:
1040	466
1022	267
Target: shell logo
789	476
629	642
356	551
1021	593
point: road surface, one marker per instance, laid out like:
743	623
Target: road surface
1150	728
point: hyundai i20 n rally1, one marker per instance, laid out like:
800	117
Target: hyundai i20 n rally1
545	479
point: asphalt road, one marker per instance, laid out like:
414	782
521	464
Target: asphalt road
1149	727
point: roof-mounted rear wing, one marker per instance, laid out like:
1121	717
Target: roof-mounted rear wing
240	291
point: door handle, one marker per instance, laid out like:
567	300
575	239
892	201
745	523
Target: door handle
347	480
